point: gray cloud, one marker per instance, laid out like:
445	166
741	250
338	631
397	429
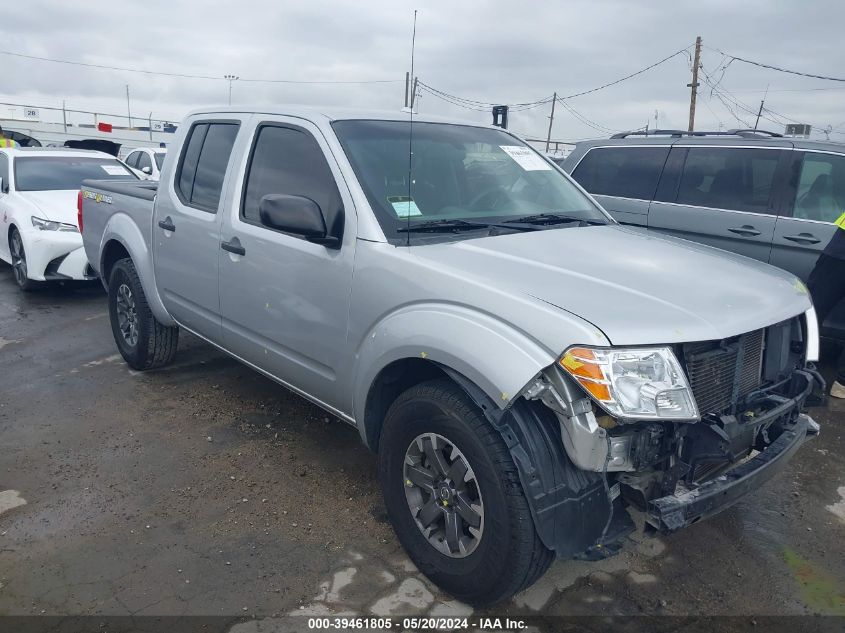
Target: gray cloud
485	50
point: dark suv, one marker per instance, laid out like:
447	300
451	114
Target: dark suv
755	193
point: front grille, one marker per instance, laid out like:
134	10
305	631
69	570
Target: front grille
722	372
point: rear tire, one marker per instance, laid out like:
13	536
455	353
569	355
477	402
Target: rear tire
143	341
19	267
506	554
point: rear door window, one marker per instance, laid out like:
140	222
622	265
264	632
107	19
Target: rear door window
738	179
821	188
132	159
623	172
203	164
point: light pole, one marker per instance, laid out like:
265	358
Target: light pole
230	79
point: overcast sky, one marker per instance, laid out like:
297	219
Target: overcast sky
509	52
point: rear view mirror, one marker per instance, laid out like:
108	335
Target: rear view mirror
297	215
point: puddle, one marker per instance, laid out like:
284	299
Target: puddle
819	590
838	508
10	499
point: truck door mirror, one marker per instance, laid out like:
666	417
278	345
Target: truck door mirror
297	215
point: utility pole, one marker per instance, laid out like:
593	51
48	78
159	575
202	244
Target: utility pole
414	93
694	85
230	79
128	110
551	120
760	111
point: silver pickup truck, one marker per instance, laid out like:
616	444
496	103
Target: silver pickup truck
524	367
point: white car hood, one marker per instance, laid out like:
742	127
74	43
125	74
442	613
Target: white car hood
58	206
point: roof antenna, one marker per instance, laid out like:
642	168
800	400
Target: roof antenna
411	135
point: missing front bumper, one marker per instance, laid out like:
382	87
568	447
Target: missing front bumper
684	508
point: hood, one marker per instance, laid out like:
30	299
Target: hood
58	206
636	287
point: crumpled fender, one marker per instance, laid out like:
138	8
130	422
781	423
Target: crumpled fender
123	229
496	357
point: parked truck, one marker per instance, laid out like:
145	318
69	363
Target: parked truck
524	367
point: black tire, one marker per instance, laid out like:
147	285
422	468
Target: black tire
19	267
150	343
509	555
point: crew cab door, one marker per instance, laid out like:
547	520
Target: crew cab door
284	299
186	227
719	196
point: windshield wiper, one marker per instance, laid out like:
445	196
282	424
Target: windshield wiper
449	226
554	218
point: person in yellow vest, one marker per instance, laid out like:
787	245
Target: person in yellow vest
827	286
6	142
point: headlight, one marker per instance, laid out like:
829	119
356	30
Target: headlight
49	225
637	383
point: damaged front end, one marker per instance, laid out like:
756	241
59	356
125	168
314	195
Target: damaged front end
749	393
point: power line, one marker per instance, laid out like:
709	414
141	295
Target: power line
778	68
626	77
189	76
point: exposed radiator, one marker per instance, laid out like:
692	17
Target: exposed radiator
721	372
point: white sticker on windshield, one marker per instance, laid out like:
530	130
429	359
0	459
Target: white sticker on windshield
404	206
525	158
114	170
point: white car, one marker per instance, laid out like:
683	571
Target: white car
147	161
39	189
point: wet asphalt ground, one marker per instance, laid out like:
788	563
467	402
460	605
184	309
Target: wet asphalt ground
206	489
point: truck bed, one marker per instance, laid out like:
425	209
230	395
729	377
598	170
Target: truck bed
102	201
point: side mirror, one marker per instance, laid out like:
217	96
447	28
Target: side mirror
297	215
147	170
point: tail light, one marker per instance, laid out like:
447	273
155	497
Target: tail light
79	210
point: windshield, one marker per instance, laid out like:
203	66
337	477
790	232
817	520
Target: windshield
159	156
472	174
59	173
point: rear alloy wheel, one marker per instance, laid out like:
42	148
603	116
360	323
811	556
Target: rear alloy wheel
143	341
19	267
453	495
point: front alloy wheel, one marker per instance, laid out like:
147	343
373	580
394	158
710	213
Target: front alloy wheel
443	495
19	262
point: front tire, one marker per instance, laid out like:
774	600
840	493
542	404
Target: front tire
19	267
454	497
143	341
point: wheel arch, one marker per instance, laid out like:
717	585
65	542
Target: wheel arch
420	342
123	238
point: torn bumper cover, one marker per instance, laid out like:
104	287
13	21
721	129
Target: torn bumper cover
686	507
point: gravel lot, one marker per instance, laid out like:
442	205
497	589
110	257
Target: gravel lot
206	489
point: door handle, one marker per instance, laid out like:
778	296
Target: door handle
167	224
802	238
233	246
745	229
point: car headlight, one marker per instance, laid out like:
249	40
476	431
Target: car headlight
635	383
48	225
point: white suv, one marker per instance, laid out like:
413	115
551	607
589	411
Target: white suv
39	189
